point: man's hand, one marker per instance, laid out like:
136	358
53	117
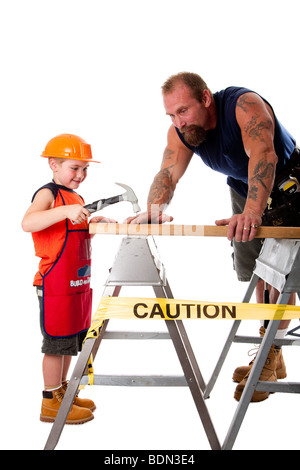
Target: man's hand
102	220
146	218
241	227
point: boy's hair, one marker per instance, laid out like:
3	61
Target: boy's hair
193	81
59	160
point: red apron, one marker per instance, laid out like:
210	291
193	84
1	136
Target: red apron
66	286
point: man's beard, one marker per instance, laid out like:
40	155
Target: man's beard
193	135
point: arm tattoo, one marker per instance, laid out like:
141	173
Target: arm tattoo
167	154
263	176
255	129
242	103
161	191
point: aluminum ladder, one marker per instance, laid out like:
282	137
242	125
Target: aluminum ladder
137	263
279	265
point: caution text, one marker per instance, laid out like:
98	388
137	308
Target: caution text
183	311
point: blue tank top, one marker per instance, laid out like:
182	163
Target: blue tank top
223	149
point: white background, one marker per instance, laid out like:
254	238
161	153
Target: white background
95	68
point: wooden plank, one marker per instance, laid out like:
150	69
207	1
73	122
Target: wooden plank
262	232
187	230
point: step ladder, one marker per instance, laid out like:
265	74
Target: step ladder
137	263
278	265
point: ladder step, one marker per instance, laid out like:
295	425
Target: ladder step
283	387
136	335
258	340
138	380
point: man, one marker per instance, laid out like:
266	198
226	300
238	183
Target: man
235	132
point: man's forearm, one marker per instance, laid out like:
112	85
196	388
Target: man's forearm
260	185
161	190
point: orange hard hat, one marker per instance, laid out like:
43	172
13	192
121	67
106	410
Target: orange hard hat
68	146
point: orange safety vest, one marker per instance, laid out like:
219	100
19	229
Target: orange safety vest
64	271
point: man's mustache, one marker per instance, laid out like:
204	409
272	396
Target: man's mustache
193	135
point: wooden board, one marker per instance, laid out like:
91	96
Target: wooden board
187	230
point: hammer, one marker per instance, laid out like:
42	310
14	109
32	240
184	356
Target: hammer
129	195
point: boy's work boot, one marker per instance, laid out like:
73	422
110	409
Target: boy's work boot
82	402
241	371
51	404
268	374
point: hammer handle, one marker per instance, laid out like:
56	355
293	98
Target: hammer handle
101	203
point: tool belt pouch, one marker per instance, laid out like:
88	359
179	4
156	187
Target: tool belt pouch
284	203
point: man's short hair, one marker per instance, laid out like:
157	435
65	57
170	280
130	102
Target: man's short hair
192	80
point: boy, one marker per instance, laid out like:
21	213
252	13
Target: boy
59	226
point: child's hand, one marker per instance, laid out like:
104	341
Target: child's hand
103	220
77	213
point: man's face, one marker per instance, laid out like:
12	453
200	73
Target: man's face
187	114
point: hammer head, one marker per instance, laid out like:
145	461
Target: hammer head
130	196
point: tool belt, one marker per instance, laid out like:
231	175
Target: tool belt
284	202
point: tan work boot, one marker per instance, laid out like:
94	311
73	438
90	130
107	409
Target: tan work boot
82	402
51	404
268	374
241	371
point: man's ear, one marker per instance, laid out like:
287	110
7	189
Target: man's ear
206	98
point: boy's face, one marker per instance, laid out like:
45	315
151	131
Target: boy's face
69	173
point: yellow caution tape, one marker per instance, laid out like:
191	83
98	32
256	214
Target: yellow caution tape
171	309
130	308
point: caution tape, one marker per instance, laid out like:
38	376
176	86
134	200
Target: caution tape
120	308
130	308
